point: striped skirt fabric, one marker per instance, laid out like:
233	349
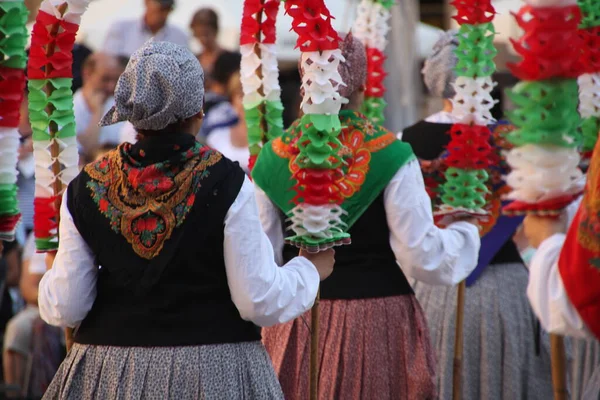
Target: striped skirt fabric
223	371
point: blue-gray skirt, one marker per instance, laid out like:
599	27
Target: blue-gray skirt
222	371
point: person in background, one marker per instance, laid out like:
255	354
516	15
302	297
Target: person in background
205	28
232	140
26	168
100	74
18	334
80	54
125	37
10	271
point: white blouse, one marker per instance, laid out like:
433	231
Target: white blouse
262	292
423	251
546	290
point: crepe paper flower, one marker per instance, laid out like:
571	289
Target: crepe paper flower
473	12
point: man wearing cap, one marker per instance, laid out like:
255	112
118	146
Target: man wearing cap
125	37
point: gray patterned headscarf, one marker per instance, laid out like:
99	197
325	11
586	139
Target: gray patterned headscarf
438	71
162	84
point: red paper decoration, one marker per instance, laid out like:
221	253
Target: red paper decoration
252	28
469	147
62	58
44	217
551	45
590	53
375	73
473	12
316	187
312	23
12	87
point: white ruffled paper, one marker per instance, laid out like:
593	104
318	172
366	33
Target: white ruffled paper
371	25
541	173
473	101
68	158
317	221
361	28
75	8
321	82
9	155
589	95
251	83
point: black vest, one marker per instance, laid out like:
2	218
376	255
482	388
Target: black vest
180	297
366	268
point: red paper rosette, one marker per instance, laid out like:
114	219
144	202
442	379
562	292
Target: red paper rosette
549	208
375	73
62	58
473	12
44	217
12	86
312	24
316	187
469	147
252	27
551	45
590	52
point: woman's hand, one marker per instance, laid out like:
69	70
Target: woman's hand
322	260
537	229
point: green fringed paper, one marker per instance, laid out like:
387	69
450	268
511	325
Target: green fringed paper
62	101
476	51
590	11
546	113
13	34
589	130
374	108
465	188
319	133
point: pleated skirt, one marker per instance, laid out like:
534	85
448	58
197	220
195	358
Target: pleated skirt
506	357
368	349
223	371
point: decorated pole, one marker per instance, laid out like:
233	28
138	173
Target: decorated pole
371	27
51	115
545	176
13	39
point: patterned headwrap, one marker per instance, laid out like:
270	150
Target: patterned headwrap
162	84
354	69
438	71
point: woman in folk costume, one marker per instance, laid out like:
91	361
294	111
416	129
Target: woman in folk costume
504	357
564	279
162	265
373	335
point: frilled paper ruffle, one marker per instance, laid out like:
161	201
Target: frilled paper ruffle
473	101
473	12
465	189
374	108
255	29
476	51
590	10
319	140
590	42
318	228
541	173
13	34
74	9
56	108
545	113
12	87
311	20
9	208
469	147
321	82
589	95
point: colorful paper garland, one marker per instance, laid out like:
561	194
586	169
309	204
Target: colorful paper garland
371	27
545	174
13	40
51	112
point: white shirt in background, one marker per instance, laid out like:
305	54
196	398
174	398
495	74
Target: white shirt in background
108	134
125	37
220	140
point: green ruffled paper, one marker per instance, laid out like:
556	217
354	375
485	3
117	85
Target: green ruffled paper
374	108
13	34
546	113
62	101
273	115
590	11
476	51
8	199
254	117
465	188
589	129
387	4
46	244
315	145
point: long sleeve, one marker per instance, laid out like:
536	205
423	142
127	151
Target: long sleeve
547	293
67	291
262	292
425	252
271	223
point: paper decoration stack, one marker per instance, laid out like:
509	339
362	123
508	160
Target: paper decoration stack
469	151
589	80
371	27
13	39
545	176
260	74
51	112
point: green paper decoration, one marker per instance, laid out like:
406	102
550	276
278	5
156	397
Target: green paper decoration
546	113
374	108
476	51
13	34
465	188
387	4
62	101
254	118
8	199
590	12
46	244
318	141
589	130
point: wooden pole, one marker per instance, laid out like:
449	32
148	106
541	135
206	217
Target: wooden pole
559	362
314	349
261	89
54	147
458	342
